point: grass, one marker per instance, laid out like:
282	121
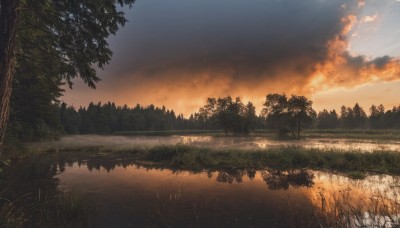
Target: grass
343	209
353	162
65	209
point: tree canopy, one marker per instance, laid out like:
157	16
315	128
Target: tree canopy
288	114
230	115
52	42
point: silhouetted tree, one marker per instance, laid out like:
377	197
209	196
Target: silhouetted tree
353	117
327	120
286	115
376	116
300	109
276	112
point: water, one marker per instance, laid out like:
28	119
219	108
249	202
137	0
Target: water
122	142
125	193
134	195
129	194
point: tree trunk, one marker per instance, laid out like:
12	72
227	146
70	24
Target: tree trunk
298	130
8	28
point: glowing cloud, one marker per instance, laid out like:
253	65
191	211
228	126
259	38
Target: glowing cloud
372	18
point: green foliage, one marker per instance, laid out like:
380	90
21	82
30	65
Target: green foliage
71	34
57	41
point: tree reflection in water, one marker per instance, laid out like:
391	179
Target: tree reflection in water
277	180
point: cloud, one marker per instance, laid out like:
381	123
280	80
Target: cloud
372	18
341	69
178	53
260	42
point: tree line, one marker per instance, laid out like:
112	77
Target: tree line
37	118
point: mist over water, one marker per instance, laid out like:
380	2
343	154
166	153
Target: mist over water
245	143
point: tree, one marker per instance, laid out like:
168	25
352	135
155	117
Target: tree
228	114
286	115
8	34
327	120
346	117
222	114
376	116
359	116
250	116
276	111
72	33
300	109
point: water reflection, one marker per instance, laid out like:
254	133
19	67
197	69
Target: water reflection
128	194
277	179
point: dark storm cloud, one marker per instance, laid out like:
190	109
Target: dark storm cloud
381	62
251	40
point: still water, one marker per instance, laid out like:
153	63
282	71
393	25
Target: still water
132	195
125	193
123	142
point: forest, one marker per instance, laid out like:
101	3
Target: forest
40	118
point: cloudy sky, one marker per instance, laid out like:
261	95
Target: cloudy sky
179	52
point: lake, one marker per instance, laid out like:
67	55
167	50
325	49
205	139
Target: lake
124	192
128	194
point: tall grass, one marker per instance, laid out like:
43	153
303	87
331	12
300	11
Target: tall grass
11	215
342	209
65	209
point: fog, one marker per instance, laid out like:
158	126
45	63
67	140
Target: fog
243	143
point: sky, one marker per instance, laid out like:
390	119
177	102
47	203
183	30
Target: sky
178	53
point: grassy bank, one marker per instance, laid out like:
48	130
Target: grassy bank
281	158
353	134
184	157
